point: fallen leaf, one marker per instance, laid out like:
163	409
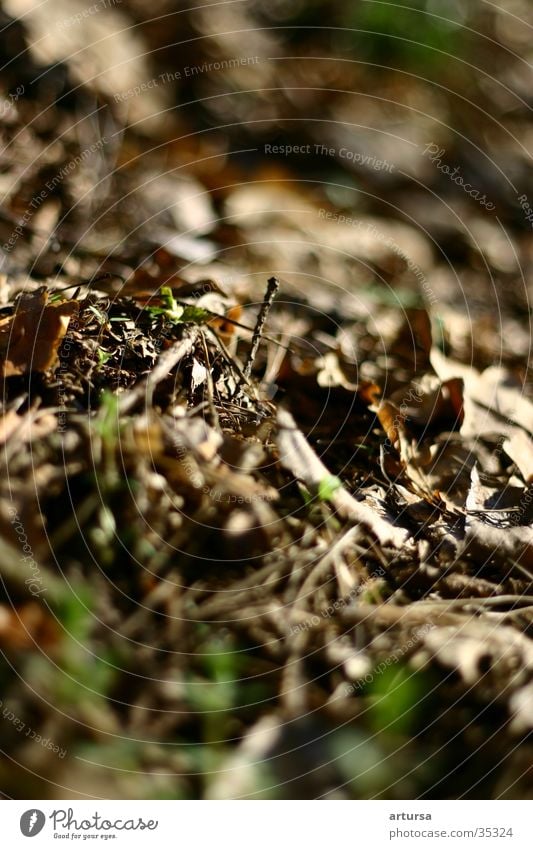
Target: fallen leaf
494	400
9	422
30	338
331	373
519	447
429	401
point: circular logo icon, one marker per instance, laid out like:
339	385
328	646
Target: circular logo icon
32	822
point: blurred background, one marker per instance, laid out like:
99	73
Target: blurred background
383	97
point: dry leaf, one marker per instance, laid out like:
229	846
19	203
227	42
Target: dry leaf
430	401
30	339
494	401
9	422
519	447
393	422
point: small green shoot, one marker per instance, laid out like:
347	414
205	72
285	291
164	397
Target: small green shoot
101	317
195	314
175	312
103	356
170	309
320	493
396	699
306	495
107	421
328	487
107	427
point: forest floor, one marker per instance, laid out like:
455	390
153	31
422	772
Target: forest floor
266	499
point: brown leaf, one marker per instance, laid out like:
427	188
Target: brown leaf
30	339
430	401
412	346
493	400
392	420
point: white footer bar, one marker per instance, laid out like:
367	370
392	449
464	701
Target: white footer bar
266	824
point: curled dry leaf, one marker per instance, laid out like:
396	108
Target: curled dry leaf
494	401
393	422
30	339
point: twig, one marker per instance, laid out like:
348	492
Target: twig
299	458
232	363
323	566
210	388
272	288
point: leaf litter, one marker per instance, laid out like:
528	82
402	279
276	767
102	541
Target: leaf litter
302	551
265	531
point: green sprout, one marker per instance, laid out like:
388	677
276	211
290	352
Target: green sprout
170	309
177	312
195	314
395	698
321	492
101	316
327	487
103	356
